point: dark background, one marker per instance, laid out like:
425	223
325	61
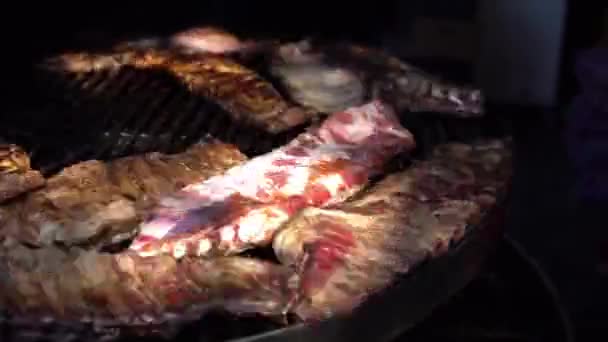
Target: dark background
561	231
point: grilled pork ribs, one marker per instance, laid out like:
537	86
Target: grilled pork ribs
338	236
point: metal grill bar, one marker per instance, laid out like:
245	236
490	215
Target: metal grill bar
167	112
153	113
204	114
93	80
87	113
182	114
69	116
217	125
91	112
132	106
53	108
154	108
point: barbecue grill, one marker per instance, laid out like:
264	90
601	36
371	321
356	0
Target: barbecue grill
512	299
137	111
113	114
104	115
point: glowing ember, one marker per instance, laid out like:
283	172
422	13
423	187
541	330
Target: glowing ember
244	207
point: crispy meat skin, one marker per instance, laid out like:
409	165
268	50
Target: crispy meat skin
246	96
16	175
244	207
99	203
345	253
137	295
383	76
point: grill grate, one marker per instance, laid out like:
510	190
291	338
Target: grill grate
103	115
108	114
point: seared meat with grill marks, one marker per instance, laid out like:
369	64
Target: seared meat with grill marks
242	208
16	175
245	95
336	76
344	253
149	296
320	76
95	202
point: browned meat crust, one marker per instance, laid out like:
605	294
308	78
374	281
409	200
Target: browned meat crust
99	203
141	295
16	175
345	253
245	95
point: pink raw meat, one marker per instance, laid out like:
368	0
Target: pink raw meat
245	206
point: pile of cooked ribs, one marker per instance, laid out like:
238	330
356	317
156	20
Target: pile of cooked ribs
159	239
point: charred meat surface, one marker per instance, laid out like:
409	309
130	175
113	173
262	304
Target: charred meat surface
93	202
243	208
146	296
324	75
245	95
16	175
344	253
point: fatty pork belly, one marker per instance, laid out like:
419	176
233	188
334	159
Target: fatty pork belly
74	288
246	96
98	203
244	207
16	174
342	254
333	76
